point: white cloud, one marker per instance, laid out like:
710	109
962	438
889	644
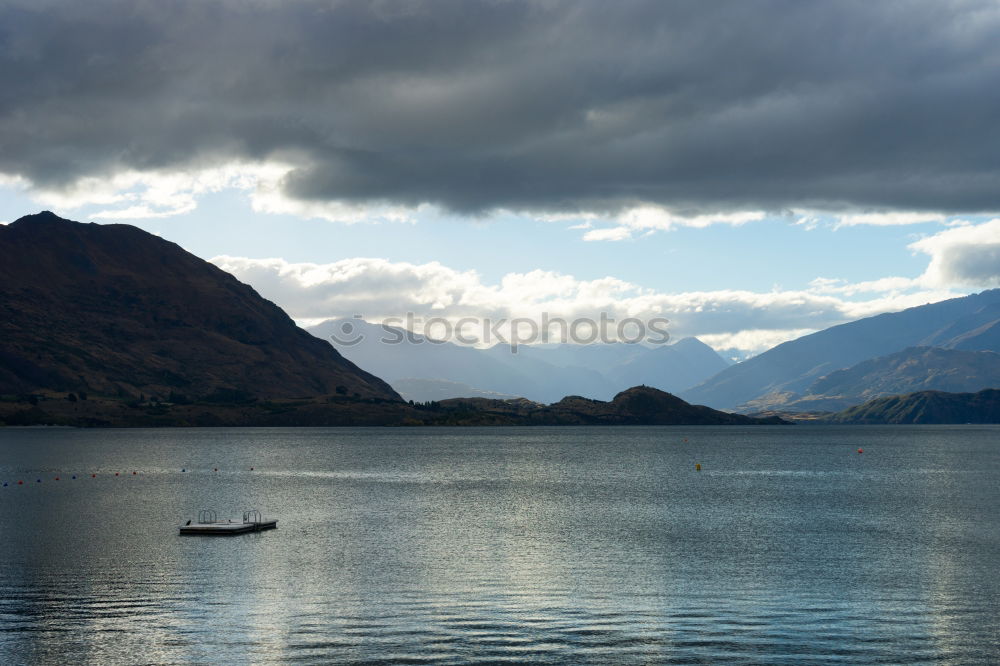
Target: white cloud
154	194
807	220
730	319
656	217
889	218
142	211
882	285
895	301
964	255
650	218
268	196
815	218
753	341
13	180
608	234
133	195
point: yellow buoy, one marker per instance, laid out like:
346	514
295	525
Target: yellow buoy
698	466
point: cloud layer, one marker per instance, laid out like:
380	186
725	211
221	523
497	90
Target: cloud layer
700	108
738	321
741	322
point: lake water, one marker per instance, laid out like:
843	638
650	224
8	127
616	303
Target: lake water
551	545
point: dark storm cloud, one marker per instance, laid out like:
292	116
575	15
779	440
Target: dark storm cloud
540	105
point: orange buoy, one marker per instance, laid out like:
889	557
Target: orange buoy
698	467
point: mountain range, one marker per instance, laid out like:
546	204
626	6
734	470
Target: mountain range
425	369
911	370
110	325
107	325
951	346
791	370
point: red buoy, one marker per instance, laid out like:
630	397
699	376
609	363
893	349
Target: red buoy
20	483
861	450
116	473
93	476
134	473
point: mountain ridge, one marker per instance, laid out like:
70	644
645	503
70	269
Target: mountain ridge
792	366
543	373
113	310
925	407
908	371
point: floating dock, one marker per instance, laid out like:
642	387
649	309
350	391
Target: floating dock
208	524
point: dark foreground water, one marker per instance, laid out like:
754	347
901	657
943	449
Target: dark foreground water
570	545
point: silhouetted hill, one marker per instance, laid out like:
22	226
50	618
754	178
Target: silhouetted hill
640	405
970	323
926	407
113	311
636	406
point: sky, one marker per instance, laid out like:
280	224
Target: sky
751	171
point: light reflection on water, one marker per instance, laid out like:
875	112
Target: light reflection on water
571	545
